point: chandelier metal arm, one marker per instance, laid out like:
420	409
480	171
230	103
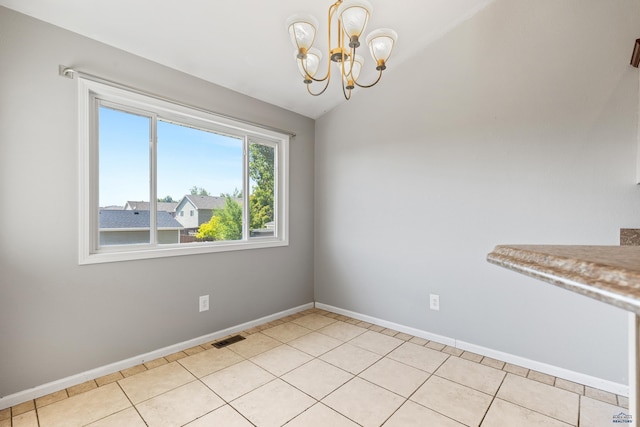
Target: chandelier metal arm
327	76
346	92
372	84
326	85
330	13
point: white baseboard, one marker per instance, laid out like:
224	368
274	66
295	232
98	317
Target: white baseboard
390	325
44	389
577	377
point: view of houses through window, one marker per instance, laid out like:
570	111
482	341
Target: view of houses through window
196	177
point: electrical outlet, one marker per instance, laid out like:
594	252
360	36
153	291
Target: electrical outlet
204	303
434	302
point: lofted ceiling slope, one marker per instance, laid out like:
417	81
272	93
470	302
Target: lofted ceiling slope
243	45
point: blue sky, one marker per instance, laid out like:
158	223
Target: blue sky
186	157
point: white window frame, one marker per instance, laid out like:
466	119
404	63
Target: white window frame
90	94
638	139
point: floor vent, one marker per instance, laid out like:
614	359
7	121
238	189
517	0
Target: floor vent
228	341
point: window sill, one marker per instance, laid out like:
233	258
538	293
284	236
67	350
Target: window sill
131	253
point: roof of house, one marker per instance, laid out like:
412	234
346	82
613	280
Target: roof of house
135	219
144	206
206	202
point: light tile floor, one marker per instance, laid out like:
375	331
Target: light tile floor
318	368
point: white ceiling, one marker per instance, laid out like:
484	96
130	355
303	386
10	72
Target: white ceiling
243	44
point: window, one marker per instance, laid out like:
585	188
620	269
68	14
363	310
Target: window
145	161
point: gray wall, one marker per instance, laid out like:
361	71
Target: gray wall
57	318
519	126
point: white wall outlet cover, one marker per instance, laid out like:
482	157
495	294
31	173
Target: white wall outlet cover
204	303
434	302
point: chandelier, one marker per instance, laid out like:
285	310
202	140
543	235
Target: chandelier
348	18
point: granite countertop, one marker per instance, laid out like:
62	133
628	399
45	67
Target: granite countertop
610	274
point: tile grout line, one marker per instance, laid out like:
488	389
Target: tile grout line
544	415
406	399
225	402
579	408
493	398
135	408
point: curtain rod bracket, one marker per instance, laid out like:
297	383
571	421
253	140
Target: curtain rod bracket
67	72
635	56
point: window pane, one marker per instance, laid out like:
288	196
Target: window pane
261	195
123	153
199	182
134	147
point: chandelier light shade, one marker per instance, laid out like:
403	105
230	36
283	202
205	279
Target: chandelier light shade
381	44
351	71
302	30
347	21
354	16
308	65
